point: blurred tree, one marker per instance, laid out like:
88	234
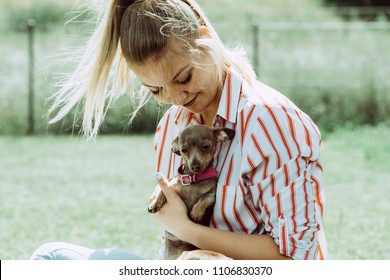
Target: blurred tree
366	9
47	14
359	3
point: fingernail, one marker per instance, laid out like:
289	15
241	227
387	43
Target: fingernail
159	176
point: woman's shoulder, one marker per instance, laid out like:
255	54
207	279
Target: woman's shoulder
274	111
262	95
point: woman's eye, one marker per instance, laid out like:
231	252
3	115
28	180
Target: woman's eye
187	79
155	92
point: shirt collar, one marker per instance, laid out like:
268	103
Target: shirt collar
228	105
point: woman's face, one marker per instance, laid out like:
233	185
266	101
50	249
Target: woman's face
177	76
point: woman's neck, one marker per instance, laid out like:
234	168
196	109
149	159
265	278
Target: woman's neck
209	114
208	119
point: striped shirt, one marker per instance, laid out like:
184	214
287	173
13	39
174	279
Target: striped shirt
270	176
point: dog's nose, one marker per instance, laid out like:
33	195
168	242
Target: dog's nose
195	166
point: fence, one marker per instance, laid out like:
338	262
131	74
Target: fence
335	71
344	27
329	62
31	111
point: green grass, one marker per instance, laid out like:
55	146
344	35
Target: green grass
95	193
357	217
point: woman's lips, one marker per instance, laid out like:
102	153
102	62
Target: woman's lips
190	103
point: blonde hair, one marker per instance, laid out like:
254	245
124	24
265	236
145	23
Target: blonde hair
129	32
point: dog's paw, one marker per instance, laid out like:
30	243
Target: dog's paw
157	204
196	217
153	208
197	213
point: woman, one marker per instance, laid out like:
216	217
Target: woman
270	201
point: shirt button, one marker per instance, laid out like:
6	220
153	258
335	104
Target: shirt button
309	245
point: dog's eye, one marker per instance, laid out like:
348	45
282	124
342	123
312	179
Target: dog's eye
206	147
184	150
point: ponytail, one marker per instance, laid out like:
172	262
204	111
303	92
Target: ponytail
90	82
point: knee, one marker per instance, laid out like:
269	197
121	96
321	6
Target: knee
113	254
61	251
46	251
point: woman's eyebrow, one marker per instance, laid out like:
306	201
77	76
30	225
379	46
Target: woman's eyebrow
148	85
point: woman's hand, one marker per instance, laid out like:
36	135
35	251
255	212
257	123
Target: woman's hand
154	194
173	215
173	218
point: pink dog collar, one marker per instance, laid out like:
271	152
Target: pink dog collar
188	179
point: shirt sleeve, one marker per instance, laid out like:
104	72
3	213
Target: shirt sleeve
285	176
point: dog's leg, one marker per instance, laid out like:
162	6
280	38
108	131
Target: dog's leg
158	203
174	246
205	202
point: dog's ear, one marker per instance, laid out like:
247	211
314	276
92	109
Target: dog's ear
175	146
223	134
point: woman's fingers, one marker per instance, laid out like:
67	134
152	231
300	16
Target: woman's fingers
161	180
163	183
173	215
155	193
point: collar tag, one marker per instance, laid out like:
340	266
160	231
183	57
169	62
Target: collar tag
188	179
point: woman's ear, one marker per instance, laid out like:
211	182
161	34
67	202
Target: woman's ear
204	31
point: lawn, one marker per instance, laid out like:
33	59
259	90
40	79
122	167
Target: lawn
63	188
95	193
357	219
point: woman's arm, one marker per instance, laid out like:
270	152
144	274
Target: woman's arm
173	217
235	245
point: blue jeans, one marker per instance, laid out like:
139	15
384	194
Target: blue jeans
67	251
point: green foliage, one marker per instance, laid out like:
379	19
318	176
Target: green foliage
331	108
368	10
357	3
337	76
45	14
117	120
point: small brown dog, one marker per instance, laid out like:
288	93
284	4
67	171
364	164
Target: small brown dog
197	184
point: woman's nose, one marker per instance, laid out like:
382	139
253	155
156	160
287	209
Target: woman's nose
177	97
